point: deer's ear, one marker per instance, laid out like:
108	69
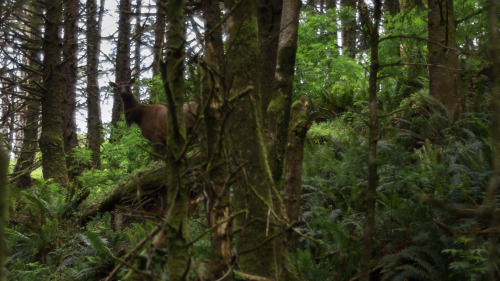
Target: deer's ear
112	84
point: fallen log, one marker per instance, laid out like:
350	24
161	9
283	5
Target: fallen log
141	184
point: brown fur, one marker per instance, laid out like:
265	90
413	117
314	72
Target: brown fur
152	119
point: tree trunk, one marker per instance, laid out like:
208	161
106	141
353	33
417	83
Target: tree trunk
3	211
279	107
122	57
299	124
51	138
31	113
269	18
349	28
371	190
70	75
138	41
255	243
177	236
492	191
29	147
444	77
94	122
159	30
218	199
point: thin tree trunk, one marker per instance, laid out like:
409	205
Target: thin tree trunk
279	117
3	210
371	190
122	57
51	138
29	147
492	190
31	113
94	122
444	77
299	124
218	199
70	73
138	41
177	236
279	108
255	243
159	30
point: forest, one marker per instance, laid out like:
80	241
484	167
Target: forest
249	140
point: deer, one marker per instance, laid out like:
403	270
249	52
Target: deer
151	119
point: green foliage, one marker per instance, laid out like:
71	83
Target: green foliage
321	72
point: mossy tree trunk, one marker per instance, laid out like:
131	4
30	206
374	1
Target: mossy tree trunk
492	191
218	199
278	111
94	122
444	76
268	18
70	74
253	185
278	122
3	210
122	57
177	233
51	138
371	28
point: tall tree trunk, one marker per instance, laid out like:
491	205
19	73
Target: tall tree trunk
3	210
348	21
218	199
279	107
94	122
159	30
51	138
31	113
122	57
371	190
70	75
29	147
177	236
492	191
138	41
299	124
279	118
444	77
255	243
269	18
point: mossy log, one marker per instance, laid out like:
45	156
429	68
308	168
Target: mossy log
143	183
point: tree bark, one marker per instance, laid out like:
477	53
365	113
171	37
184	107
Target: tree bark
29	147
51	138
70	75
492	191
94	122
3	210
299	124
176	232
159	31
371	190
269	18
122	57
255	243
444	77
349	28
218	199
279	107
